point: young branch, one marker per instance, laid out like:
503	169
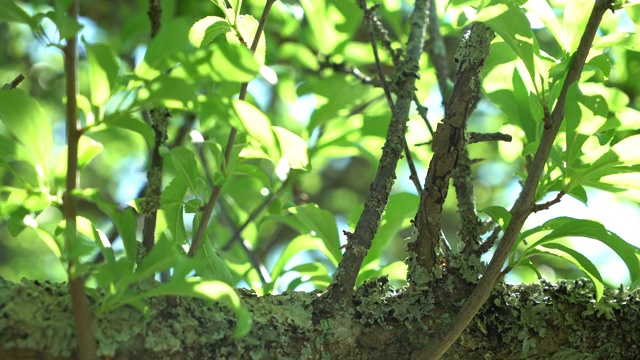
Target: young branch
525	203
448	145
14	83
341	290
80	308
159	120
215	192
437	51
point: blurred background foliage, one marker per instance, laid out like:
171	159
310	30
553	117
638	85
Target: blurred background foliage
304	89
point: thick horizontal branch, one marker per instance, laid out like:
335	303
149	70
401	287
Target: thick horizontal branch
530	321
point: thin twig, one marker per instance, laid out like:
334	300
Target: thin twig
253	259
448	147
482	137
437	51
370	20
208	209
254	214
422	110
548	204
524	205
82	316
14	83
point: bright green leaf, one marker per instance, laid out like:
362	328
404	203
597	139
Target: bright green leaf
562	227
293	148
184	161
212	267
499	214
88	149
322	224
103	70
258	126
629	41
26	120
207	29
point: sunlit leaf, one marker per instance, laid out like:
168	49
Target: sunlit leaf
233	63
172	39
629	41
301	243
499	214
26	120
248	25
103	70
562	227
320	223
212	267
172	200
207	29
258	126
293	148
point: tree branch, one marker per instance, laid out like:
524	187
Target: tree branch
14	83
79	305
448	145
341	290
524	205
159	120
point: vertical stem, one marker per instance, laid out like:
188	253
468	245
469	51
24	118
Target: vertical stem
208	209
80	308
159	119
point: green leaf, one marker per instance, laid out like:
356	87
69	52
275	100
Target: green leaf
253	171
171	92
602	63
212	267
123	220
67	26
545	13
10	11
26	120
103	70
248	26
125	121
580	261
299	54
321	223
171	40
396	217
499	214
574	22
84	244
296	246
184	161
562	227
172	200
88	149
514	28
258	126
233	63
207	29
161	257
293	148
209	290
50	241
629	41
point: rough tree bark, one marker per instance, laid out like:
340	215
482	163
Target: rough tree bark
557	321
